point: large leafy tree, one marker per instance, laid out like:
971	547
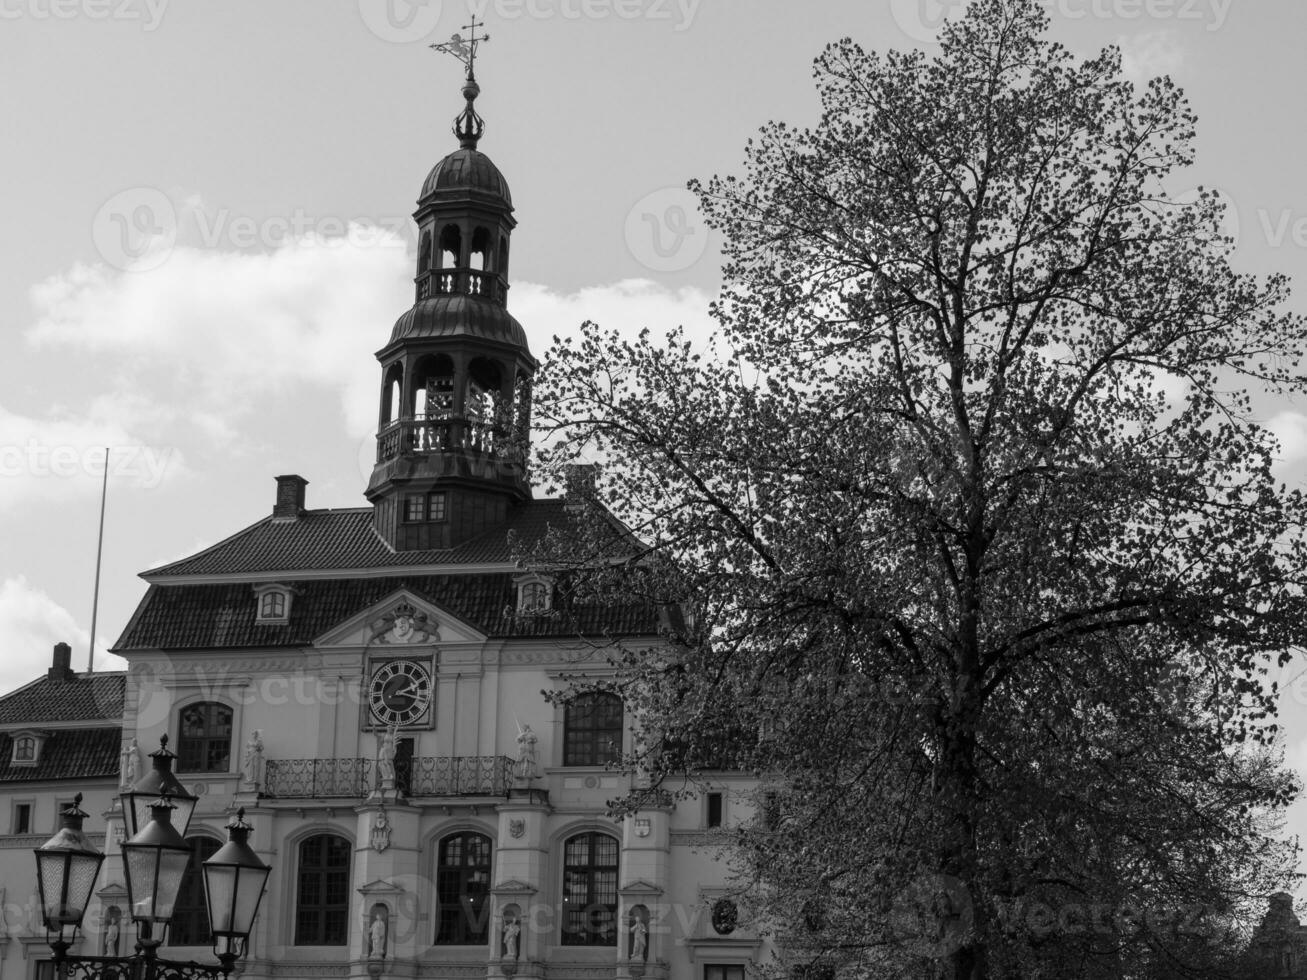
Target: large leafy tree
981	555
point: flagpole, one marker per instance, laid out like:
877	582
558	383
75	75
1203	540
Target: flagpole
99	551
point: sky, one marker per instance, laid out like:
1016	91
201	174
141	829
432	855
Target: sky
208	236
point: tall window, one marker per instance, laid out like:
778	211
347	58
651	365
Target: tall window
190	917
723	971
463	890
322	892
590	890
592	730
205	742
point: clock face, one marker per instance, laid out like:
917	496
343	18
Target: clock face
400	692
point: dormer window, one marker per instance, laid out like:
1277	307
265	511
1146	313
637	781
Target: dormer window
273	604
535	595
26	748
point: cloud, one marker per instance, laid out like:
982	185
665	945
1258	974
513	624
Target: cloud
31	623
62	456
1146	56
220	328
1290	430
627	306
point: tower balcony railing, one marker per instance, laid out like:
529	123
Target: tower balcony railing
448	433
462	282
422	776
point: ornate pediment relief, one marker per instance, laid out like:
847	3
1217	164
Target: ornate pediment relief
400	622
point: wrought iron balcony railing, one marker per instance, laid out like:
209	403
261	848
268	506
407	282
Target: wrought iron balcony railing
300	779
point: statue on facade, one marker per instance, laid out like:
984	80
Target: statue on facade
131	763
252	765
639	939
111	936
386	760
377	936
526	768
512	930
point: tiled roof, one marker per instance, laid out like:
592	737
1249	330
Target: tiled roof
68	753
344	539
217	616
86	697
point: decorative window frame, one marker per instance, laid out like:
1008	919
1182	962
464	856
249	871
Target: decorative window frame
262	592
535	594
37	739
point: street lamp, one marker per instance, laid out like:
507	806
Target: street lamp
155	858
159	782
234	880
66	867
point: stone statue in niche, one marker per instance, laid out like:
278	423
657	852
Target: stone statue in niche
112	934
512	930
377	936
639	939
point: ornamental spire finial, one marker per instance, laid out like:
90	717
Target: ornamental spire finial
468	126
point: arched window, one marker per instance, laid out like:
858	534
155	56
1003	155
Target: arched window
592	730
424	253
480	250
451	245
25	748
590	890
322	891
190	917
204	742
463	890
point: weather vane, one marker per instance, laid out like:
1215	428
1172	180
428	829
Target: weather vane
465	49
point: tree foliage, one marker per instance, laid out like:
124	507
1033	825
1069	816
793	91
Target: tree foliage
983	560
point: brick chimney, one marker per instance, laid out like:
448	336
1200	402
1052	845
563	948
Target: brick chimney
61	668
290	497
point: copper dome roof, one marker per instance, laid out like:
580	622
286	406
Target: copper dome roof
457	315
466	170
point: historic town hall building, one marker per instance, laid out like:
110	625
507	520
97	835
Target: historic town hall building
369	685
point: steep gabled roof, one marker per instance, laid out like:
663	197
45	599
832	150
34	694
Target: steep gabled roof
68	753
86	697
323	540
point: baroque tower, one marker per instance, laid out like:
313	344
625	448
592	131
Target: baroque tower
455	408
